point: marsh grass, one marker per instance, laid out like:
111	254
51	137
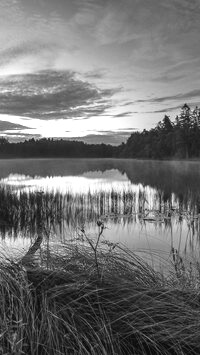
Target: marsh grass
123	306
19	209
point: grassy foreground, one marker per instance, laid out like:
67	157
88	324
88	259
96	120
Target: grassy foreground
109	303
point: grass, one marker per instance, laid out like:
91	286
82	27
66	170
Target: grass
93	298
121	307
19	209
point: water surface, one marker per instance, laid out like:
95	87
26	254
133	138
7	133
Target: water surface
152	205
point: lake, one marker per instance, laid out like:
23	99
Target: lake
146	205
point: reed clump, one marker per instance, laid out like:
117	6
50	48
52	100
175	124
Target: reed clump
19	209
122	307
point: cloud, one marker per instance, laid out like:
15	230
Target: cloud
127	103
114	137
23	49
52	94
86	14
183	6
132	20
183	96
95	74
151	48
38	35
164	110
115	25
129	129
124	114
32	55
110	137
168	77
4	126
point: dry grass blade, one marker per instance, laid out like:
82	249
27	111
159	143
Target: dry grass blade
130	309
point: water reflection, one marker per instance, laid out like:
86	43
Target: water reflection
151	205
92	182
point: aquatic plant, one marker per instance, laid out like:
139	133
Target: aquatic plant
21	208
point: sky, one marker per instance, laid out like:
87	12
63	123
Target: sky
95	70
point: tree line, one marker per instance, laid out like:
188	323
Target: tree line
179	138
51	148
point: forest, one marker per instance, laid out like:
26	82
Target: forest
178	138
169	139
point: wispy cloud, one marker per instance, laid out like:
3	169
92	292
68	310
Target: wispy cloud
30	55
124	114
95	74
169	77
165	110
182	96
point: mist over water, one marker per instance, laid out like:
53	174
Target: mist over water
152	205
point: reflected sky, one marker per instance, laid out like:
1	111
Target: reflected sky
88	182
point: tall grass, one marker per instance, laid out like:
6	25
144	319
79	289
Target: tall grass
122	307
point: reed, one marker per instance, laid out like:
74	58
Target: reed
19	209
